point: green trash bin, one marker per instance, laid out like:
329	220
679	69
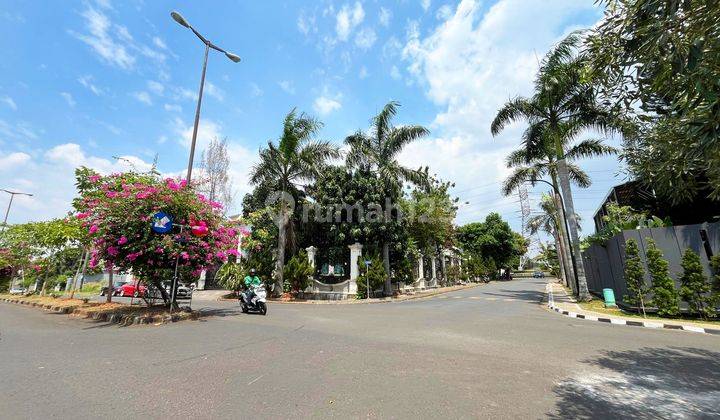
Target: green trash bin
609	295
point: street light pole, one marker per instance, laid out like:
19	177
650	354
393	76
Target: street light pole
177	17
12	196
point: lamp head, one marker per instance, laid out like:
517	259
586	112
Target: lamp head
177	17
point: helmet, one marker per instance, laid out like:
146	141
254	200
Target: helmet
252	271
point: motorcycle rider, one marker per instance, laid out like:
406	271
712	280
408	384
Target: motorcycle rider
251	281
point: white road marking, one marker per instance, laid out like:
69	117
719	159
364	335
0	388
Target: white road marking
255	380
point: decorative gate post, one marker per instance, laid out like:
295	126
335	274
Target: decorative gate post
421	272
434	271
311	251
355	254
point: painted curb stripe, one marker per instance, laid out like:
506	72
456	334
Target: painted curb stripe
645	324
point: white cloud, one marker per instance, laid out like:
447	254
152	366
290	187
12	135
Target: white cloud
365	38
306	24
363	74
347	19
324	105
444	12
159	43
13	160
425	4
395	73
49	176
255	90
87	82
385	16
114	43
172	108
142	96
105	39
68	98
287	86
207	130
18	131
155	87
470	65
214	91
9	102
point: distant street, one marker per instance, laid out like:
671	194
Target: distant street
489	351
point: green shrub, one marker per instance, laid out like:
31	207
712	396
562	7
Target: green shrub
92	287
634	277
297	273
375	274
715	267
695	289
231	276
665	296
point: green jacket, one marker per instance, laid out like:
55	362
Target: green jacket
252	281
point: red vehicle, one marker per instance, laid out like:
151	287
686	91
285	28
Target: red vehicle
132	289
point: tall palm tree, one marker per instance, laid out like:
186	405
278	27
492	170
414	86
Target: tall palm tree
532	165
549	222
563	106
377	152
296	158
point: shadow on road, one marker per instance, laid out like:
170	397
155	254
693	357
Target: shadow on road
526	295
676	382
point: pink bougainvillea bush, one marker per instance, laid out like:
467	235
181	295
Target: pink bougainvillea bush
117	212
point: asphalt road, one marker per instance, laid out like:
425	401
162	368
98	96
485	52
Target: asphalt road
491	351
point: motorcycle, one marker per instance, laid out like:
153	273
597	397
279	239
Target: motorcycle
258	303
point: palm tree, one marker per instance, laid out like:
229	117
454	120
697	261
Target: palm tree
377	152
563	106
296	158
532	165
549	222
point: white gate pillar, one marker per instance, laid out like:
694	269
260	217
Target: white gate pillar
355	254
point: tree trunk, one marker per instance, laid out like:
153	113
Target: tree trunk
81	275
69	286
109	293
280	254
561	262
386	264
565	245
583	293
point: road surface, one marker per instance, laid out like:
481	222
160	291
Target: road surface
490	351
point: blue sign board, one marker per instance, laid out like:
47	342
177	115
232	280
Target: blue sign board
162	223
367	262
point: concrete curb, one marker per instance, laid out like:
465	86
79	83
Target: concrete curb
110	317
372	301
631	323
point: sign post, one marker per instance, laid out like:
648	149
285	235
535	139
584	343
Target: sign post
367	279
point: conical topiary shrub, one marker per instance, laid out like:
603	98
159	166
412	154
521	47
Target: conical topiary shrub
665	296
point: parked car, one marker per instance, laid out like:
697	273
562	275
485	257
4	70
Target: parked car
116	288
183	291
18	290
538	274
132	289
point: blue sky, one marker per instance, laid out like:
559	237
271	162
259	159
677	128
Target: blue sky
85	82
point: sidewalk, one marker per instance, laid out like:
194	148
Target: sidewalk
561	302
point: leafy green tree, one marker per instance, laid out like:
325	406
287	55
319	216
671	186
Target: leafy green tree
715	267
665	296
658	61
694	286
231	276
298	272
563	105
491	241
297	157
377	151
635	277
374	274
619	218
